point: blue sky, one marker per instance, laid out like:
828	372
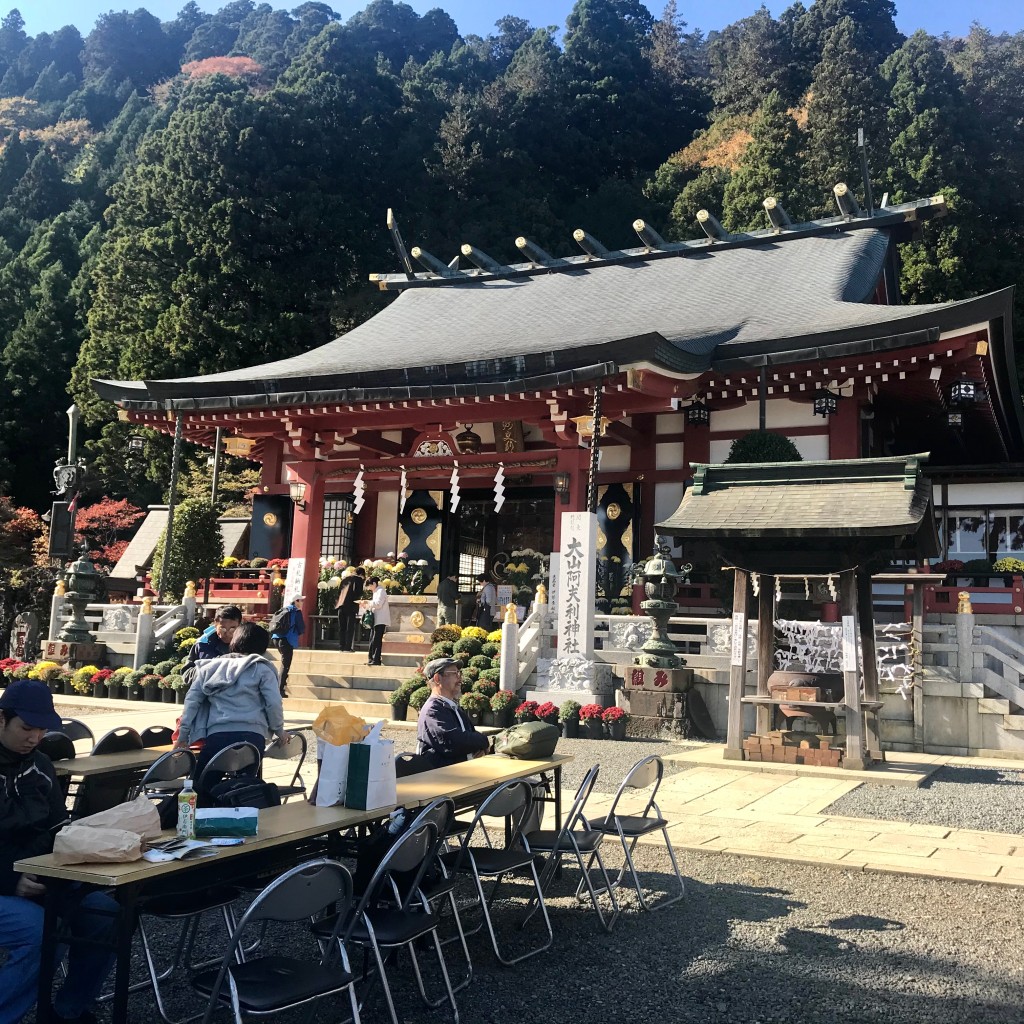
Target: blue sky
478	16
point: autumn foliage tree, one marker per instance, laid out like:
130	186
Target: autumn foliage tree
106	526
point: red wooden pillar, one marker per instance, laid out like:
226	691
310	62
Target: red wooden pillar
844	431
307	533
696	446
270	470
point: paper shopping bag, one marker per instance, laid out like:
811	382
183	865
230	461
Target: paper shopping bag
88	845
330	787
139	816
371	775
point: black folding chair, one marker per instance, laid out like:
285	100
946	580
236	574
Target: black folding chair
575	841
295	747
157	736
394	913
160	777
76	730
630	827
268	984
440	885
58	747
512	801
118	740
230	763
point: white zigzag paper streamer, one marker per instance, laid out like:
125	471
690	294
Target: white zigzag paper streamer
499	487
402	492
455	487
359	489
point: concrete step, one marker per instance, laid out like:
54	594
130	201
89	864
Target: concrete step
1014	723
993	706
315	691
369	712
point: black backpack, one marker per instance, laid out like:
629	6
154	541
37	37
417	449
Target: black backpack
280	621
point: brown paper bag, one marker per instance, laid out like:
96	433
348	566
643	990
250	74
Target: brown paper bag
77	845
139	816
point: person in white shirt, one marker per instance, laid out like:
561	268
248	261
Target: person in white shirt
378	604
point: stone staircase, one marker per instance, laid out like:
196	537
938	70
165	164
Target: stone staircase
318	677
1012	716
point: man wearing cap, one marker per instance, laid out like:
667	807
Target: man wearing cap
31	811
444	731
287	638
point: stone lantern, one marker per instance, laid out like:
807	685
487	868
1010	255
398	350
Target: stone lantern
83	586
660	578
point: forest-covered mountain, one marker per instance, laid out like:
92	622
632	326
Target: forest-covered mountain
210	192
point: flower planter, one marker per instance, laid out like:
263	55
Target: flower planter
552	720
487	718
151	691
475	717
99	690
134	692
115	691
503	718
616	730
179	696
67	688
525	719
571	728
399	712
167	695
593	729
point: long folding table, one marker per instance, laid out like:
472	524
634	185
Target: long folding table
278	827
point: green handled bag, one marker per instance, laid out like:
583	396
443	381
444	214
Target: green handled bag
530	741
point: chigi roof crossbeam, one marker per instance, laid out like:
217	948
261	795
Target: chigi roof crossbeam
595	254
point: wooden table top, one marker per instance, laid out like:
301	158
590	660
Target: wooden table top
292	822
104	764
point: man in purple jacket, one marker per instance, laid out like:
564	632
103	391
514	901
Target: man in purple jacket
444	731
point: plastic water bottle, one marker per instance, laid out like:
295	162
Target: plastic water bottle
187	811
397	821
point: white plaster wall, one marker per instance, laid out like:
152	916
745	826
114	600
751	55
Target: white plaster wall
614	459
667	497
813	447
670	422
387	519
779	413
669	456
982	494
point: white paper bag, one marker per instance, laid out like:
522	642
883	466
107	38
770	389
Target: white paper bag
371	775
330	787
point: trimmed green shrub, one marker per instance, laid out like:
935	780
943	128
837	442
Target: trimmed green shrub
186	633
196	547
164	668
489	650
419	697
444	649
492	675
468	645
449	633
488	687
472	672
763	446
480	661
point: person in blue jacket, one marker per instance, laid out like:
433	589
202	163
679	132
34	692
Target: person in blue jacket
286	639
216	639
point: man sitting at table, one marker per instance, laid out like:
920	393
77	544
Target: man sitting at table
31	809
444	731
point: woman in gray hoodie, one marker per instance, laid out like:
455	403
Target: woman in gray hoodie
234	699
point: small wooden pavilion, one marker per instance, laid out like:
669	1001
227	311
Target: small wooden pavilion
810	520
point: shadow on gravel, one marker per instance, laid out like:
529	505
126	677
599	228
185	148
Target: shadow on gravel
866	923
972	776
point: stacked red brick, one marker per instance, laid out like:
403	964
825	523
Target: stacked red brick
793	748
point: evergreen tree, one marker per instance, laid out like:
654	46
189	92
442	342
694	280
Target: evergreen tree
847	93
771	166
196	548
131	46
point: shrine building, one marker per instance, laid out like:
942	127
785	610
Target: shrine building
679	347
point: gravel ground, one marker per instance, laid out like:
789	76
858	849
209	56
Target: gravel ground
957	796
753	942
86	710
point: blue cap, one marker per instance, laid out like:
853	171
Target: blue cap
32	702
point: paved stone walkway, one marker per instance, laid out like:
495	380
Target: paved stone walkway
757	812
779	816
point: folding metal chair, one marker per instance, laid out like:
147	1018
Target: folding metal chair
167	769
268	984
76	730
58	747
388	918
567	841
229	763
510	800
295	747
157	736
442	885
645	774
118	740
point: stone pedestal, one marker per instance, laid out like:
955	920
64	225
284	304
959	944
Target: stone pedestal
659	680
574	678
74	654
413	619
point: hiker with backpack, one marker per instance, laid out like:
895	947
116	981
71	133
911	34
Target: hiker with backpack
286	629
